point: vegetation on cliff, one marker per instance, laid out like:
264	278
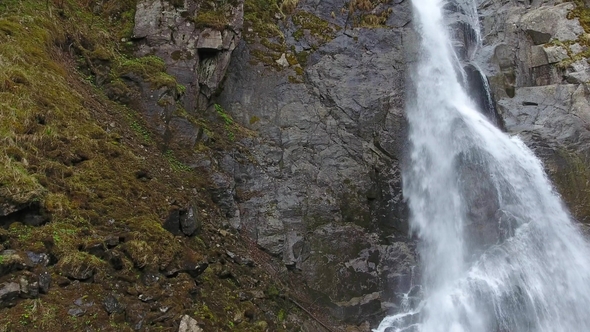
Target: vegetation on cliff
89	199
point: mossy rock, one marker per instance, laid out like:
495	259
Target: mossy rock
80	265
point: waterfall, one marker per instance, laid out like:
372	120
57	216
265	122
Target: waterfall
499	251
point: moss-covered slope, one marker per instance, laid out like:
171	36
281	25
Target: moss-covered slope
88	193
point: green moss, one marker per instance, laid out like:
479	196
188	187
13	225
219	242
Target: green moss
211	19
582	12
151	68
318	27
254	119
571	176
175	164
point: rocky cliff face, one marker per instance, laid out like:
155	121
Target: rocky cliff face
322	188
536	57
321	87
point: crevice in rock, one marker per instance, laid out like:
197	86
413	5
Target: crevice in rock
31	215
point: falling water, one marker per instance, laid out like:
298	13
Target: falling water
499	251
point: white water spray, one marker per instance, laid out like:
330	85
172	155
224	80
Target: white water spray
529	269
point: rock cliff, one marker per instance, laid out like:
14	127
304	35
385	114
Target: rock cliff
250	152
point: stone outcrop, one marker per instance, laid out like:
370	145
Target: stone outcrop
536	59
321	186
195	39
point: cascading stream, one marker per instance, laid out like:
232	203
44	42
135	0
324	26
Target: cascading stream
499	251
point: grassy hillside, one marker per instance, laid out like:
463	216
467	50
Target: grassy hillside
98	181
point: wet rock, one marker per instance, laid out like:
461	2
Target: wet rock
135	315
150	278
8	293
189	220
198	57
44	282
188	324
111	241
357	308
38	259
112	305
76	312
97	249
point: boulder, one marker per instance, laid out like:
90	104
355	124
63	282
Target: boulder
550	22
189	324
8	293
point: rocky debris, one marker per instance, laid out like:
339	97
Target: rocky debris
282	61
25	212
183	221
189	324
41	259
82	305
8	293
189	221
76	312
112	305
190	262
136	315
97	249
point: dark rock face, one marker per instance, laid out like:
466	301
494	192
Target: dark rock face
319	185
198	57
324	190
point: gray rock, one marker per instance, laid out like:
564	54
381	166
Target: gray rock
197	57
210	39
76	312
555	54
188	324
325	182
578	72
8	293
357	308
190	221
550	22
44	282
38	259
112	305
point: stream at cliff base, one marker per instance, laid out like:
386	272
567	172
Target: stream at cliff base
499	251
